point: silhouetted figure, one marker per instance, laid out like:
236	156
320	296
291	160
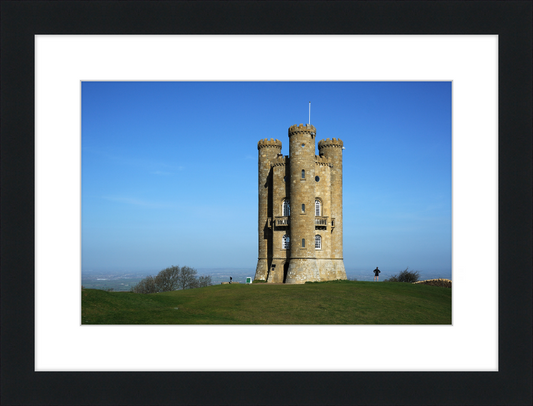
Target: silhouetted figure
230	279
376	274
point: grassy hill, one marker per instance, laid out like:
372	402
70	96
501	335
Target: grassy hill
338	302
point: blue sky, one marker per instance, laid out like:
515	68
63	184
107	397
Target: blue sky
169	170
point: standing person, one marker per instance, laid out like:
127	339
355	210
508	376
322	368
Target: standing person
376	274
230	278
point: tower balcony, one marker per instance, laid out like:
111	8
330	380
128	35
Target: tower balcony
281	221
278	221
322	222
284	221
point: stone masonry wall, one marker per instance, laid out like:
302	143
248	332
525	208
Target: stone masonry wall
280	187
302	190
268	150
323	193
332	149
280	178
302	147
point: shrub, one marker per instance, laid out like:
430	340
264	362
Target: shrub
405	276
408	276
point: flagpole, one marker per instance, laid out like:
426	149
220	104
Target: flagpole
309	113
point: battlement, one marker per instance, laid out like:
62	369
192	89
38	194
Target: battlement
297	129
266	143
327	143
280	160
322	161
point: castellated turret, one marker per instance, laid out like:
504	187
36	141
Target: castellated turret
268	151
300	209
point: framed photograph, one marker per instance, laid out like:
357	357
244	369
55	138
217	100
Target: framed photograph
69	46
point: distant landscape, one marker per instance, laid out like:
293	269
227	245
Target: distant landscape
121	281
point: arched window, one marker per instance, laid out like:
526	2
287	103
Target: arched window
318	208
318	242
286	209
303	173
303	242
303	208
286	242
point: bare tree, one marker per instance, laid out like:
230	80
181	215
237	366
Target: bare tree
187	278
172	278
204	280
146	285
168	279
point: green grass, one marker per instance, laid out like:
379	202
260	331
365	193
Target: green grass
337	302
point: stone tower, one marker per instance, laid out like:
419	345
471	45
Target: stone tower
300	209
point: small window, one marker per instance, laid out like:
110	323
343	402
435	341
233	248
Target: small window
318	242
286	242
303	208
284	179
303	145
303	174
318	208
317	178
303	242
286	210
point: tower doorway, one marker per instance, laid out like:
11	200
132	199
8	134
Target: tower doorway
285	271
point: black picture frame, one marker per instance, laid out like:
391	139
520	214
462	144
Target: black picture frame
21	21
